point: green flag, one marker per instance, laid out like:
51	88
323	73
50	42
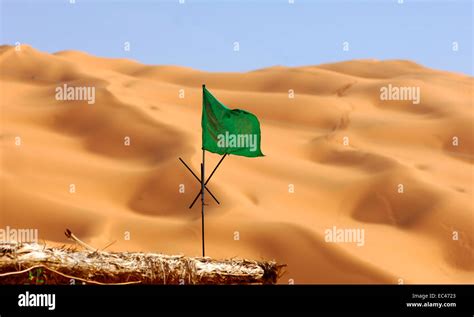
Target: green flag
228	131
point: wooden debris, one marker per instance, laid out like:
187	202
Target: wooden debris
32	263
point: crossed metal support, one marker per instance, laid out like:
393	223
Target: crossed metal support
207	180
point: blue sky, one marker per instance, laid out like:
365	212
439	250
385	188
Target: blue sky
201	33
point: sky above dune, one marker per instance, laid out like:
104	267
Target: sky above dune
246	35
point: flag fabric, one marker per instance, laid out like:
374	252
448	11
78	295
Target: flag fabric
226	131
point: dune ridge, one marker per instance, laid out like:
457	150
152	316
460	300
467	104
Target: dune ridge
343	149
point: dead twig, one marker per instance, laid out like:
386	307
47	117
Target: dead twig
71	236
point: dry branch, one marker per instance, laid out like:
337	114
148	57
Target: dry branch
60	265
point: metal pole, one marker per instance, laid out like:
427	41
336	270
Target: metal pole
202	185
202	202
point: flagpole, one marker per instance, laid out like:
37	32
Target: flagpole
202	191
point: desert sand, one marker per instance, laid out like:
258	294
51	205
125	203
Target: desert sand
343	150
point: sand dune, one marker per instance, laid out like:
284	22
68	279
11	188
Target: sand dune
344	150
